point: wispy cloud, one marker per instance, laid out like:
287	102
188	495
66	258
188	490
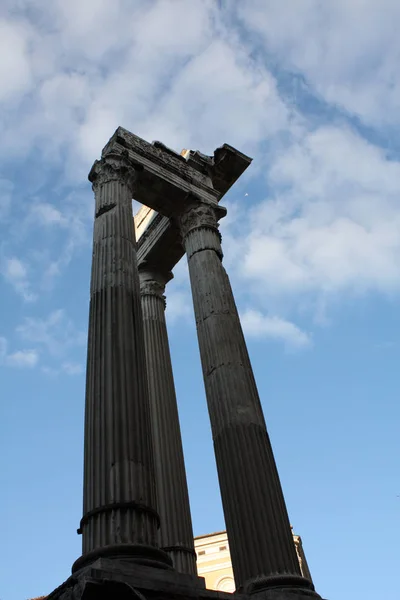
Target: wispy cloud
16	272
325	222
20	358
181	46
179	307
72	368
56	339
6	190
56	333
48	215
353	67
68	368
257	325
329	229
23	358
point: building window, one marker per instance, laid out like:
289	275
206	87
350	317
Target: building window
222	548
226	584
202	552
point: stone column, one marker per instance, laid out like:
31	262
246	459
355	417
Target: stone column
176	533
119	515
260	539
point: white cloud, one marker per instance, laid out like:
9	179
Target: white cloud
47	214
332	225
257	325
141	66
178	296
15	70
19	359
184	73
179	307
71	368
57	333
57	339
15	271
3	348
67	368
23	358
6	189
239	100
64	229
168	70
347	51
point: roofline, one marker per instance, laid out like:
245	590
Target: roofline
206	535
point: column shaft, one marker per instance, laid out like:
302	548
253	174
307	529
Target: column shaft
119	515
176	534
257	523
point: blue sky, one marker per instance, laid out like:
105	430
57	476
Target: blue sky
312	243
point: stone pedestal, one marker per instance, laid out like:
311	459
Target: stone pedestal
176	534
119	580
260	540
107	579
119	504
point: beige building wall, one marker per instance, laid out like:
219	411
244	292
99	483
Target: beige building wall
214	560
142	220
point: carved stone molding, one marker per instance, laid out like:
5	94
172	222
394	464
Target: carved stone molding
150	287
153	281
112	167
198	215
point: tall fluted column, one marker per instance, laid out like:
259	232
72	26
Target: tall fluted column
260	538
176	533
119	515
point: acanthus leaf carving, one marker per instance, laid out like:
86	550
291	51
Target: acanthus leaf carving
198	215
150	287
112	167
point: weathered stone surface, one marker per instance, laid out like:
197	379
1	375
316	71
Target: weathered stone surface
119	580
160	243
259	533
119	505
120	519
176	533
166	178
288	593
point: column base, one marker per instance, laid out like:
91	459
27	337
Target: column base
139	554
281	587
286	594
119	579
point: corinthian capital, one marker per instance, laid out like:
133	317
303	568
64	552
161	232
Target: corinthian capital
198	215
150	287
112	167
153	280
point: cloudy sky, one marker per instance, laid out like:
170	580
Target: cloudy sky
310	90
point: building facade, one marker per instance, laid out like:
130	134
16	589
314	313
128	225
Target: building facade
214	560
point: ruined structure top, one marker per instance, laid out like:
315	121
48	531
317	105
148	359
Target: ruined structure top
165	177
